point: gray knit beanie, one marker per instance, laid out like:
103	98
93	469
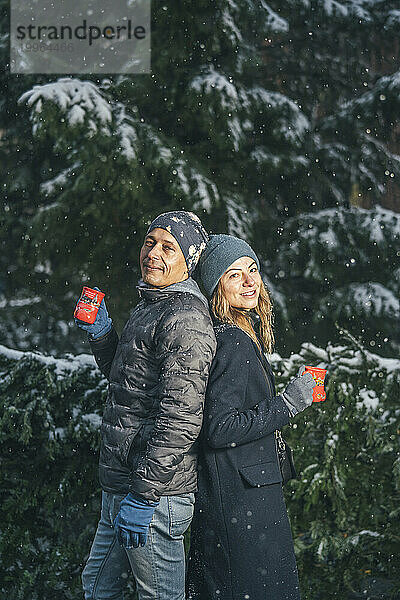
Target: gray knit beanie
188	231
221	251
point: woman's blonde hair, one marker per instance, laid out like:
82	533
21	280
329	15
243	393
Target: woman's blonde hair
229	314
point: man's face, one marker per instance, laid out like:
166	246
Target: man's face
161	260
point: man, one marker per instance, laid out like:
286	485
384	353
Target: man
157	374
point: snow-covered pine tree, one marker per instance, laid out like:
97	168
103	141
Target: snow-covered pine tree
338	61
340	266
344	508
124	148
21	171
334	62
254	112
50	419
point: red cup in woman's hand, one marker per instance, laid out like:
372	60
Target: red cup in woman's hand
318	374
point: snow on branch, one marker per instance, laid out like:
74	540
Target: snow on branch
77	99
355	8
292	122
345	359
63	366
58	182
273	21
127	133
393	18
239	219
379	222
205	192
240	104
211	81
229	23
371	299
189	182
388	85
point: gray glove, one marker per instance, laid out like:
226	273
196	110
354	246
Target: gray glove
298	393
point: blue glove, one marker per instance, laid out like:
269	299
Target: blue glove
102	324
133	520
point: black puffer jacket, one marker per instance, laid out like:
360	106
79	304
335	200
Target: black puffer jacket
158	372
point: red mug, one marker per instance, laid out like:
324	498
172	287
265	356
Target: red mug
319	394
88	305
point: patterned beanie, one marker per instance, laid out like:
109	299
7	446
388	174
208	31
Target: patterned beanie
188	231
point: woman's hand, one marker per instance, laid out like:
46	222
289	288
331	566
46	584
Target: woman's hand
298	393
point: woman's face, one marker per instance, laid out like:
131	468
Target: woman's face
241	283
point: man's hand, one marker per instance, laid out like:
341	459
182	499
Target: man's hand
133	520
101	325
298	393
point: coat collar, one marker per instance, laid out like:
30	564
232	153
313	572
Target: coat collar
153	294
255	320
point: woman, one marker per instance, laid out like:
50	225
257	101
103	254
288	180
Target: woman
241	543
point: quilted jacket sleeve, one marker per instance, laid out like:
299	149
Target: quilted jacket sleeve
104	351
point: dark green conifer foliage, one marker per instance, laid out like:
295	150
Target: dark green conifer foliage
273	121
344	507
253	112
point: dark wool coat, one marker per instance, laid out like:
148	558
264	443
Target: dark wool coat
241	542
158	373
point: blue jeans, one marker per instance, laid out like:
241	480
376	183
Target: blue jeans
158	567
